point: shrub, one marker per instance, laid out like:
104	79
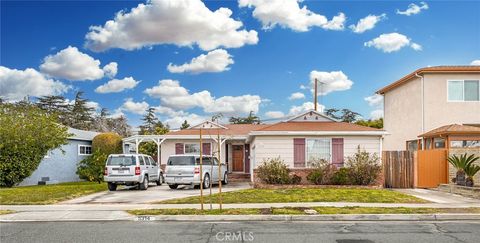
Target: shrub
92	167
464	164
341	177
364	168
107	143
273	171
295	179
26	135
322	172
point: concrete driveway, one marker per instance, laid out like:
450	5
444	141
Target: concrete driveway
437	196
153	194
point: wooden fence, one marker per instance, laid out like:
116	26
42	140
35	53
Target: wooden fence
398	169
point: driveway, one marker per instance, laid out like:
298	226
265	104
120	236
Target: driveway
153	194
438	196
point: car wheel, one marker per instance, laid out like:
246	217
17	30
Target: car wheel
173	186
112	186
206	181
144	184
160	180
225	179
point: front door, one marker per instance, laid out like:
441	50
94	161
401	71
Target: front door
237	155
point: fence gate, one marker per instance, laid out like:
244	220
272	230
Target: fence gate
398	169
432	168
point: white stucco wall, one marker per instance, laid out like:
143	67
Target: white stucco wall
403	107
168	148
266	147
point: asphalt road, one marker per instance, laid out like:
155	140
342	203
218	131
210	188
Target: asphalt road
341	232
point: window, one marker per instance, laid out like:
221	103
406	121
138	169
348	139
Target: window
412	145
121	160
463	90
428	143
205	161
465	144
318	149
84	150
140	158
147	161
439	143
192	148
152	161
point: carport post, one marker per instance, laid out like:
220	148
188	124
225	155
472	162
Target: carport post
136	145
158	152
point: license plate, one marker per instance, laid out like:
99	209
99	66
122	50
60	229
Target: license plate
120	171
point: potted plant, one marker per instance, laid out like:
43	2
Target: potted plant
470	171
460	163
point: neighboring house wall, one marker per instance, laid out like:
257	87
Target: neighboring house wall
58	166
267	147
403	108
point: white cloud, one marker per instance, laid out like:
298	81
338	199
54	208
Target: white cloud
330	81
16	84
213	62
134	107
475	62
413	9
274	114
111	69
296	96
367	23
376	114
72	64
392	42
179	22
192	119
117	85
289	14
374	100
295	110
174	96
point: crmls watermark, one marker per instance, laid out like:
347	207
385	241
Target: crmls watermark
234	236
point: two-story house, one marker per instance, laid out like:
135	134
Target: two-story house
429	98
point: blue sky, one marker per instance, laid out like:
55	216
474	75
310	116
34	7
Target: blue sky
262	54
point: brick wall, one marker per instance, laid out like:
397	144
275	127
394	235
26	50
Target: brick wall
459	151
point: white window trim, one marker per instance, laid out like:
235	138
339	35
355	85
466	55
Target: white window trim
211	148
306	149
82	145
463	90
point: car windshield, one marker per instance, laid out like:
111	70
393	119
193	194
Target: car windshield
121	160
181	160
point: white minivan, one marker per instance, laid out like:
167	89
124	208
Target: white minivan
130	170
185	170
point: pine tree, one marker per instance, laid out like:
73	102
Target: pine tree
55	104
185	125
81	114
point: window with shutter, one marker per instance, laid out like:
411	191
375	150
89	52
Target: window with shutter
207	148
179	148
299	152
337	152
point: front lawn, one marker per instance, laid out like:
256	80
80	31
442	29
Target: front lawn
301	211
305	195
48	194
2	212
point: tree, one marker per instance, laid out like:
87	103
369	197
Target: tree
344	115
217	117
81	113
91	168
332	112
250	119
55	104
378	123
185	125
107	143
27	133
120	126
151	126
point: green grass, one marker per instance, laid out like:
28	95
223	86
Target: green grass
300	211
48	194
305	195
2	212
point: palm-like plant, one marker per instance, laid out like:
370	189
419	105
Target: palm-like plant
470	171
462	164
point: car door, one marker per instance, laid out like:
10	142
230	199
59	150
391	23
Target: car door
154	166
215	170
148	167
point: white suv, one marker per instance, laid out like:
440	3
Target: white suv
131	169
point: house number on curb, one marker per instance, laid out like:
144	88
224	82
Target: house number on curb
145	218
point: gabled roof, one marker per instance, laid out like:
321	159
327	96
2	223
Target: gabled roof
312	116
231	129
452	129
436	69
81	134
317	126
208	125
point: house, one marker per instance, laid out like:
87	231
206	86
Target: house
60	165
244	146
429	98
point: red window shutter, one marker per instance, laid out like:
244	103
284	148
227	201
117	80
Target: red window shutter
299	152
207	148
337	152
179	148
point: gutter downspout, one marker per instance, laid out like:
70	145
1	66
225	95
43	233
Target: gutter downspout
423	106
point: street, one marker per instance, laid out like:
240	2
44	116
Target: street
157	231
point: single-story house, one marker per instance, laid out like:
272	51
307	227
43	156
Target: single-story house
244	146
60	165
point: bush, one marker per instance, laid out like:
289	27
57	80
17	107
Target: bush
92	167
340	177
295	179
273	171
107	143
364	168
26	135
322	172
